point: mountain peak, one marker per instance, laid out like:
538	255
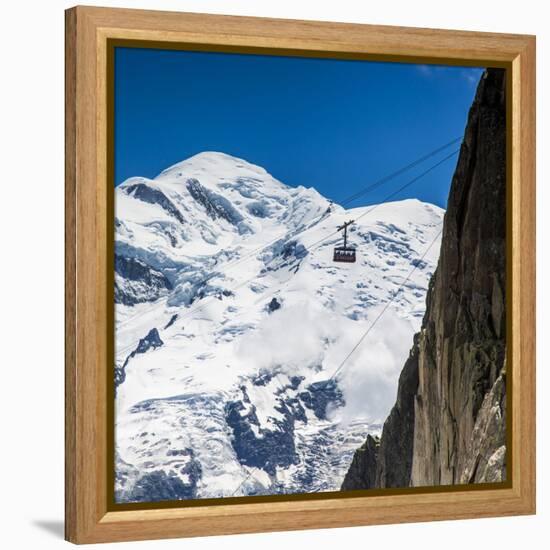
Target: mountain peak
214	163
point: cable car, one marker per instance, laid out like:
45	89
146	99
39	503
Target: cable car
344	253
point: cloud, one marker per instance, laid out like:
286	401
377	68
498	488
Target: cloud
470	75
369	380
307	335
292	337
425	70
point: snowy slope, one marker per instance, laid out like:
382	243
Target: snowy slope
232	323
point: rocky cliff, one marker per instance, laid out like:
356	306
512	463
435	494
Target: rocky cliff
448	423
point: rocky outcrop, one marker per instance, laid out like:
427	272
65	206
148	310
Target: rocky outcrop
486	460
449	420
157	486
274	444
362	471
137	282
151	341
260	447
321	396
151	195
216	206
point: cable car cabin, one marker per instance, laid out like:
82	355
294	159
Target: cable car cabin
344	253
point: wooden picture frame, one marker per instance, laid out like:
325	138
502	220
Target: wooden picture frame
89	32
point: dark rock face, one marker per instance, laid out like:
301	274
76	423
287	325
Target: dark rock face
274	305
284	255
448	424
137	282
261	447
294	250
150	195
171	321
319	395
158	486
273	443
388	463
486	460
215	205
151	341
362	472
395	457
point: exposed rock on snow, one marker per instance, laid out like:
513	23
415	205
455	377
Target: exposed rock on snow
362	471
151	341
136	282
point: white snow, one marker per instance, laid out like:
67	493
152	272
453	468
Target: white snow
219	343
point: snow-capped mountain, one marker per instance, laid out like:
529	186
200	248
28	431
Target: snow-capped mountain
233	324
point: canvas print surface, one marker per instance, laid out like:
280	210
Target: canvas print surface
310	275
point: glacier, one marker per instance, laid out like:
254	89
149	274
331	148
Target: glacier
232	321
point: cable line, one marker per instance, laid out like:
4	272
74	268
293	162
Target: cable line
388	304
365	334
204	302
318	243
377	184
393	194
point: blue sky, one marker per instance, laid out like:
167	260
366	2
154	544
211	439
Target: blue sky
336	125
